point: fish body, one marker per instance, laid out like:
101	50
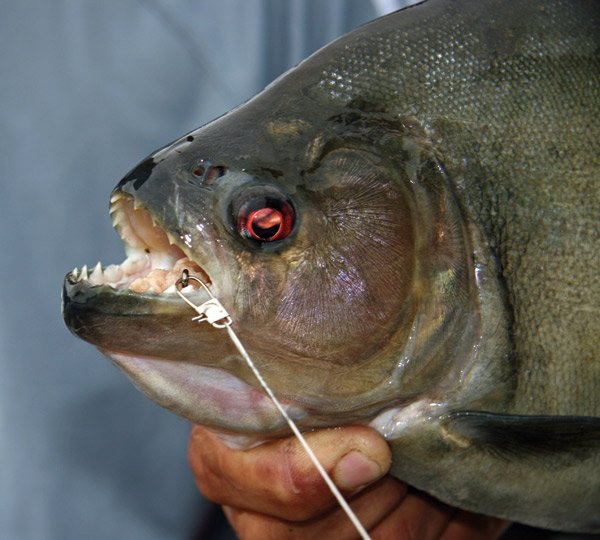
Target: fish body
405	230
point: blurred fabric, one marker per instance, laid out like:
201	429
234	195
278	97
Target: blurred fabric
87	90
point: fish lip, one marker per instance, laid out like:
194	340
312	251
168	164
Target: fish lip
82	292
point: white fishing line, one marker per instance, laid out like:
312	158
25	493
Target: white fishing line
215	314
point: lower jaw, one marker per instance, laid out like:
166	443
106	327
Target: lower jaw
242	415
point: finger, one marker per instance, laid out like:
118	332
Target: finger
279	479
418	516
468	526
370	506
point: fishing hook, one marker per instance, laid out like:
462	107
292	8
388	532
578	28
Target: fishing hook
211	311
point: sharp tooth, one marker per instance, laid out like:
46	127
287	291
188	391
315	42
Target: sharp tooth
96	275
84	272
171	239
133	265
117	218
127	265
113	273
117	196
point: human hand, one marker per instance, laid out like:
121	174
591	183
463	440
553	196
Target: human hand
274	491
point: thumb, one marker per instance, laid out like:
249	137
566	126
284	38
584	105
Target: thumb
279	479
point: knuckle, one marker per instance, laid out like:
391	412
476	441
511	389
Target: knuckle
207	469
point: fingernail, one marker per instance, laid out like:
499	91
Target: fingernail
355	471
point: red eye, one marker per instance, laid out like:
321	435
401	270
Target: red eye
266	220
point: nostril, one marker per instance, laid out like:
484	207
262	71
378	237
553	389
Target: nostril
199	171
208	173
214	173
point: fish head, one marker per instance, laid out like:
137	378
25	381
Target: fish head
331	237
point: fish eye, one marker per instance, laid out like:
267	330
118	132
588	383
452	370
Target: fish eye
265	219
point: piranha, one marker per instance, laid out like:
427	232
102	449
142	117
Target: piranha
405	230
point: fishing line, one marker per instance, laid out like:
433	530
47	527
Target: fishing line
213	312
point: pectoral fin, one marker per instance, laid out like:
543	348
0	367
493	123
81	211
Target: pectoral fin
562	438
539	470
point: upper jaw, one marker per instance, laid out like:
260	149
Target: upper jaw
155	257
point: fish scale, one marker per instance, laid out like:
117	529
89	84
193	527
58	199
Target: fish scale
437	171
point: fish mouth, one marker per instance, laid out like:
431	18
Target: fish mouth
133	314
133	307
155	257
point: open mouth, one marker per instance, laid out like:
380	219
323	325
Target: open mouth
155	258
127	311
